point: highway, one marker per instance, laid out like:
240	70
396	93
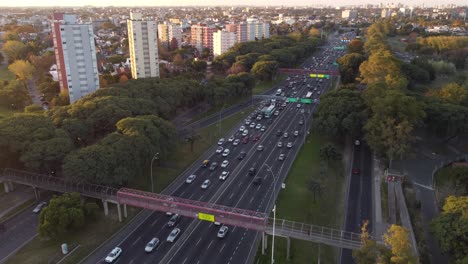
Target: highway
359	199
198	242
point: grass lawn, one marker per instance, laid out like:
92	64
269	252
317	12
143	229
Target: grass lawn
296	203
262	86
396	44
5	74
184	157
89	237
4	112
445	183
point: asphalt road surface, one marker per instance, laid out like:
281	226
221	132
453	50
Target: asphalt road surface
198	242
359	196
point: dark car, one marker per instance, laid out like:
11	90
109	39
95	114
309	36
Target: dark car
245	140
174	220
279	133
241	155
252	171
256	138
257	181
213	166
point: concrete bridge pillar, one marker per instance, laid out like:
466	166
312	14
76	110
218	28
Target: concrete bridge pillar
125	210
37	194
106	207
264	242
8	185
288	248
119	212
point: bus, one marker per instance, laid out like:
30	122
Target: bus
308	95
268	111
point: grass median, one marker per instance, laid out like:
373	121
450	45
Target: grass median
296	203
94	234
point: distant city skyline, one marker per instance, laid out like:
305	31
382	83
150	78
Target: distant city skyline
73	3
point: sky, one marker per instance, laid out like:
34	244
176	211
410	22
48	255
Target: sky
19	3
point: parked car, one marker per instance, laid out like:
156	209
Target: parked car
113	255
152	245
191	178
173	235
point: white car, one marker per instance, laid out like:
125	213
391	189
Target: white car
280	144
223	230
206	184
263	129
152	245
260	148
289	145
219	149
39	207
296	133
113	255
173	235
298	105
302	111
258	126
224	175
247	122
242	128
252	125
224	164
245	132
357	142
231	139
236	142
226	152
190	178
285	135
221	141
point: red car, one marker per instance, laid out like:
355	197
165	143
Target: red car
256	138
245	140
356	171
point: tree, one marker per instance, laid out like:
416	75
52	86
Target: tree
314	32
451	227
382	66
397	238
356	46
15	50
198	65
453	93
123	78
349	67
370	252
14	95
22	69
63	214
265	70
340	114
33	108
328	152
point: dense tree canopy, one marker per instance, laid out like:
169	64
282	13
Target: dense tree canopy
349	67
13	95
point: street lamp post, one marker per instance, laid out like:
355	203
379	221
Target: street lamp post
155	157
275	181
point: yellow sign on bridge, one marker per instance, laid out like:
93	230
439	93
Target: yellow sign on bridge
206	217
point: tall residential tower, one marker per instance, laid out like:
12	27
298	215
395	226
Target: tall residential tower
143	43
75	54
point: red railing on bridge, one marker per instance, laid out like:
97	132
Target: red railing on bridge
164	203
307	72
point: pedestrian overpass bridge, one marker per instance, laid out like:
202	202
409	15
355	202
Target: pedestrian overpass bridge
257	221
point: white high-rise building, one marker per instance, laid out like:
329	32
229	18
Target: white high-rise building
75	54
222	41
349	14
143	44
257	29
167	32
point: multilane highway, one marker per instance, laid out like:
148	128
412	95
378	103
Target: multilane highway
198	242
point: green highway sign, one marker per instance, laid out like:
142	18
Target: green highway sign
291	100
335	64
306	101
339	48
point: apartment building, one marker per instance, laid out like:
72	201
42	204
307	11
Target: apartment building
222	41
75	53
167	32
257	29
143	45
202	36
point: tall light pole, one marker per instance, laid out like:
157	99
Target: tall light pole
273	239
155	157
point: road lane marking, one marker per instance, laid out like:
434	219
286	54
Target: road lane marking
230	197
198	241
251	199
185	260
210	244
222	248
136	241
157	219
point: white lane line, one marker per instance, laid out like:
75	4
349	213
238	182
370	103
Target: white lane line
131	261
155	222
230	197
182	194
191	196
210	244
222	248
136	241
185	260
251	199
198	241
